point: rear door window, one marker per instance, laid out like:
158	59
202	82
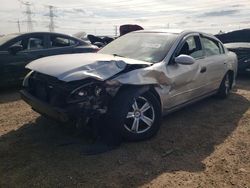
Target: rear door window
58	41
211	47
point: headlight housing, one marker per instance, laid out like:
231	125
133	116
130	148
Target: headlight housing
98	91
86	92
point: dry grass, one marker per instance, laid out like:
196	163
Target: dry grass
203	145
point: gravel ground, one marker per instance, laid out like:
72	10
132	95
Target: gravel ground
203	145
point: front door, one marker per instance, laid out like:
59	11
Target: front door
59	44
188	80
13	65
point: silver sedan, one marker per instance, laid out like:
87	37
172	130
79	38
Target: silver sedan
132	81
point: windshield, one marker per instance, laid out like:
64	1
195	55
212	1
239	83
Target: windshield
150	47
6	38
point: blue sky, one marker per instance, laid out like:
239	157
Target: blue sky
101	16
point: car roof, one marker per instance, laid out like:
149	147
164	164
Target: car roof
180	32
43	32
174	31
15	35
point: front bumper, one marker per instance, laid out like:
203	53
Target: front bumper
44	108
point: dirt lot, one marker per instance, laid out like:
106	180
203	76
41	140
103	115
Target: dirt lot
203	145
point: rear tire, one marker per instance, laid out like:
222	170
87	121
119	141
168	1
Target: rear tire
225	87
136	116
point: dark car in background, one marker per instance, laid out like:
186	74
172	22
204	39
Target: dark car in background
238	41
17	50
101	41
242	49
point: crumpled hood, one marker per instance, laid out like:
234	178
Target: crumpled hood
71	67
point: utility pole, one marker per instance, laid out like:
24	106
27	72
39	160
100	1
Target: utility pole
116	30
18	25
51	16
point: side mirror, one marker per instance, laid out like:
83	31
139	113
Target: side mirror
14	49
185	60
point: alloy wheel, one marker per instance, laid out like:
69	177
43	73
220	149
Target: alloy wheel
140	117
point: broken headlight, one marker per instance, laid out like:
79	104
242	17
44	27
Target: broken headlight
98	91
86	93
82	93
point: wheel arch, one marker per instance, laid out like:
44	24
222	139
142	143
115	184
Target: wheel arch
153	91
142	89
231	77
115	116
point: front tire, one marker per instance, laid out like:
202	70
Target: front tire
136	116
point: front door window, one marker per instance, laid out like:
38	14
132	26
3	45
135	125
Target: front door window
192	47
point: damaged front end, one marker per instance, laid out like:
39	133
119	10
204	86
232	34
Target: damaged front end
67	101
75	89
80	91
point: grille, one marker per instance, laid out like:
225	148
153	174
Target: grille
48	89
51	90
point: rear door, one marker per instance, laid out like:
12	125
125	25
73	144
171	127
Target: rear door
60	44
215	62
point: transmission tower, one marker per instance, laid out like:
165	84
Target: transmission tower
28	13
51	16
18	25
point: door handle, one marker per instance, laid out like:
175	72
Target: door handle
203	69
